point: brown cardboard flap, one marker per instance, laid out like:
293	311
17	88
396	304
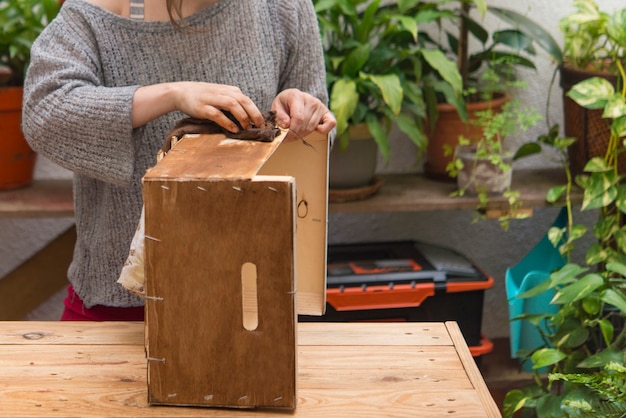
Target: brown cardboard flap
309	165
214	157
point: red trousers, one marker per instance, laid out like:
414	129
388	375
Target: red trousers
76	311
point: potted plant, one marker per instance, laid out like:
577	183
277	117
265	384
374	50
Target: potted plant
591	48
21	22
373	62
483	166
585	340
500	51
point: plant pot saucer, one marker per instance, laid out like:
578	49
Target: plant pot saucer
357	193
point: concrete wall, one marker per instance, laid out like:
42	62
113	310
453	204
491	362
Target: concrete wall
491	247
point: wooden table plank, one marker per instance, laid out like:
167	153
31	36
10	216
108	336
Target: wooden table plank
309	333
51	365
69	333
471	369
64	369
316	333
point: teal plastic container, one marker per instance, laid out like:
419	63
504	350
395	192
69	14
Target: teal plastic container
529	272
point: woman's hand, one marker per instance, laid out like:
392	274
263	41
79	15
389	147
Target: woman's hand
198	100
302	114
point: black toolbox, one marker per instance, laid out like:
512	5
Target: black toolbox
405	281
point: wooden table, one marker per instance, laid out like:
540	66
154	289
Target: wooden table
65	369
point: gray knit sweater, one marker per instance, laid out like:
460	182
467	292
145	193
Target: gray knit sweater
85	68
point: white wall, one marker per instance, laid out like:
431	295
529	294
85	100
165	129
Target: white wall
492	248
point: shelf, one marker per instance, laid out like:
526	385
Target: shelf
416	193
42	199
399	193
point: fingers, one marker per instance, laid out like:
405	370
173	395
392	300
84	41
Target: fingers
227	106
210	101
327	123
302	113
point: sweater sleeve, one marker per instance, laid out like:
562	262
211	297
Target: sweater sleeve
69	114
304	68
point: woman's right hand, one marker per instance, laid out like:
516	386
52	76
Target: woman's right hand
198	100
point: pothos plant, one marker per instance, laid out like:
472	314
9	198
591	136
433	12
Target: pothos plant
585	340
589	41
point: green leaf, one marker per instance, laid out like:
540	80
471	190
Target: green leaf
366	22
604	227
527	149
612	297
579	289
481	5
536	32
323	5
606	327
379	133
390	87
602	358
563	143
616	27
617	268
536	290
355	60
592	93
615	107
577	231
408	23
618	127
597	165
405	5
591	304
567	273
555	235
513	39
546	357
620	201
600	190
343	101
549	406
571	335
596	254
620	238
451	97
555	193
446	68
413	129
514	400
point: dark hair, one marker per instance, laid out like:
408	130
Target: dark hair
175	12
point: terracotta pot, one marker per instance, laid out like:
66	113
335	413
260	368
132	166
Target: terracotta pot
355	166
591	130
447	130
17	159
480	175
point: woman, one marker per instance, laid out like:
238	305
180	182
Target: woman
105	85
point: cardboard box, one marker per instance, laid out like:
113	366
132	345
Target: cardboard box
235	233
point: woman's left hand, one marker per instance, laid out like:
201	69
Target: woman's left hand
302	114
